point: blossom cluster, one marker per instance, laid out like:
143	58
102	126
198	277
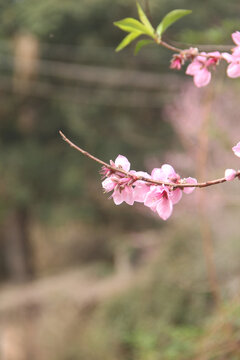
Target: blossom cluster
157	191
203	63
128	186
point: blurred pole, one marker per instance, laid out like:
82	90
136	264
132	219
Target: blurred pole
207	239
26	54
26	60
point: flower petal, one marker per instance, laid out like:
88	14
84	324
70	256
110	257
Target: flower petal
228	57
233	70
168	171
158	174
189	180
193	68
117	197
152	197
127	195
175	196
123	162
108	184
236	52
236	37
202	77
140	191
164	208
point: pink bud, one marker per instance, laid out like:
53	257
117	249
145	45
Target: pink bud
236	149
230	174
176	62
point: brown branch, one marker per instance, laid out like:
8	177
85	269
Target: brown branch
178	50
142	178
168	46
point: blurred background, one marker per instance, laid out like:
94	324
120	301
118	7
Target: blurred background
81	278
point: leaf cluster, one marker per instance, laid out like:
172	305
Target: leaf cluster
135	28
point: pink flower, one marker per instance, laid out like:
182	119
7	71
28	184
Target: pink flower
119	183
158	200
161	198
176	62
230	174
236	39
165	173
236	149
233	69
199	68
130	187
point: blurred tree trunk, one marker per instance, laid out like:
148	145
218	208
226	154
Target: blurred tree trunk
16	259
17	250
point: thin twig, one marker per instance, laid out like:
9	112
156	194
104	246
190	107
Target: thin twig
142	178
178	50
170	47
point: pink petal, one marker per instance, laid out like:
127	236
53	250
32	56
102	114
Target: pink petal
140	191
168	171
236	37
127	195
117	197
193	68
230	174
236	52
189	180
140	173
202	77
108	184
236	149
153	197
158	175
202	59
227	57
175	196
164	208
123	162
233	70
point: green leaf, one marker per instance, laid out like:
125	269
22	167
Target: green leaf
142	43
127	40
131	25
145	21
170	18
